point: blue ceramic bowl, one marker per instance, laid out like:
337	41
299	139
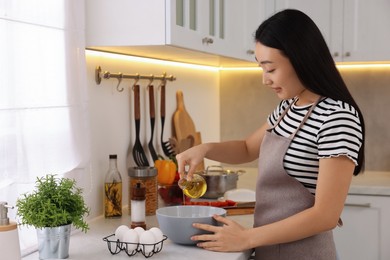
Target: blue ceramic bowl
176	221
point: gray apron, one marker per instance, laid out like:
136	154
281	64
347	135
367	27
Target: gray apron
279	196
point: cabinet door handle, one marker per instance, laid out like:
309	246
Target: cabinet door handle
347	54
207	40
250	52
336	54
359	205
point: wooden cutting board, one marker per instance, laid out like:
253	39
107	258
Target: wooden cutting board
240	211
198	140
183	125
182	121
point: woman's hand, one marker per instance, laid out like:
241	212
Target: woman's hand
188	160
230	237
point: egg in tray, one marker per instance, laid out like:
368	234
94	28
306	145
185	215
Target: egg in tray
132	241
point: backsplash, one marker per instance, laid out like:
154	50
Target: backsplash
246	103
112	113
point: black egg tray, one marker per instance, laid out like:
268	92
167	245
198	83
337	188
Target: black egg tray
115	247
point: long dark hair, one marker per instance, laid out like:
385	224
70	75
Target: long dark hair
299	39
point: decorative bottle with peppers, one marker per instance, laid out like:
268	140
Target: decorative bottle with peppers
113	190
166	171
169	192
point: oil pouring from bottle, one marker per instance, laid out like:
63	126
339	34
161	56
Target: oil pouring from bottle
113	190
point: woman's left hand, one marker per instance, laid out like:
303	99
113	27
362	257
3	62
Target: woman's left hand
230	237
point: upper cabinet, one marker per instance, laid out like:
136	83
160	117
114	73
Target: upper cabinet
355	30
184	30
221	32
210	26
365	33
125	22
255	12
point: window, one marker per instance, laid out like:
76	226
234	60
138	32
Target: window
43	101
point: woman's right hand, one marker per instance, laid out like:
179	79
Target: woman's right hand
188	160
231	152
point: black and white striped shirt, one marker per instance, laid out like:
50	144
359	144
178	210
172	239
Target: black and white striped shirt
332	129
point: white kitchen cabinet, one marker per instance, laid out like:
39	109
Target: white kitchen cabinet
204	25
318	10
167	29
355	30
230	27
255	12
366	230
366	34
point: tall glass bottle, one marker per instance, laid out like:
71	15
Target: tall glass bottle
113	190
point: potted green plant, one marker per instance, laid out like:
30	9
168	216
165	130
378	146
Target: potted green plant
52	208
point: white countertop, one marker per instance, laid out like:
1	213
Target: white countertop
90	245
375	183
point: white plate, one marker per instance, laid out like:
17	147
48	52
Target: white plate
240	195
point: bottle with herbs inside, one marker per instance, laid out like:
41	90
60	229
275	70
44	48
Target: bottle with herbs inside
113	190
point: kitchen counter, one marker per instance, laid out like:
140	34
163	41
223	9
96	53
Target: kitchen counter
91	245
375	183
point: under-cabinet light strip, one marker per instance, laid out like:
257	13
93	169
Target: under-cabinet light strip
364	65
384	65
150	60
340	66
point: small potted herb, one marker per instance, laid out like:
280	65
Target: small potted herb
52	208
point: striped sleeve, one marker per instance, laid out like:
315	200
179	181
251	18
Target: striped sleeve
340	134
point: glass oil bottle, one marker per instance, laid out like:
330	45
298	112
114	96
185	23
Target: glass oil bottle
195	188
113	190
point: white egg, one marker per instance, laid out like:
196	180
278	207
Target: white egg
120	231
147	237
131	236
139	230
158	235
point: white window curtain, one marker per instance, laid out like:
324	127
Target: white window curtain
43	95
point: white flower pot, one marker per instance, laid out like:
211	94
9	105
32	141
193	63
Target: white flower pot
53	243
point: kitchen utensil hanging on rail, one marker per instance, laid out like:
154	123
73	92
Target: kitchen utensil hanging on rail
138	151
152	121
99	75
166	146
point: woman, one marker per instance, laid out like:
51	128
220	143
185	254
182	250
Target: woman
308	150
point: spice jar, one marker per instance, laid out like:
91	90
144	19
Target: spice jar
147	176
138	206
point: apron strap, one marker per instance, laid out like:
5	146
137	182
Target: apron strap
303	120
283	114
306	117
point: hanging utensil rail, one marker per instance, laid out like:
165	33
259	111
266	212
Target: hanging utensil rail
107	75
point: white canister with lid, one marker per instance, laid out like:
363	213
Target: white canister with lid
9	237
